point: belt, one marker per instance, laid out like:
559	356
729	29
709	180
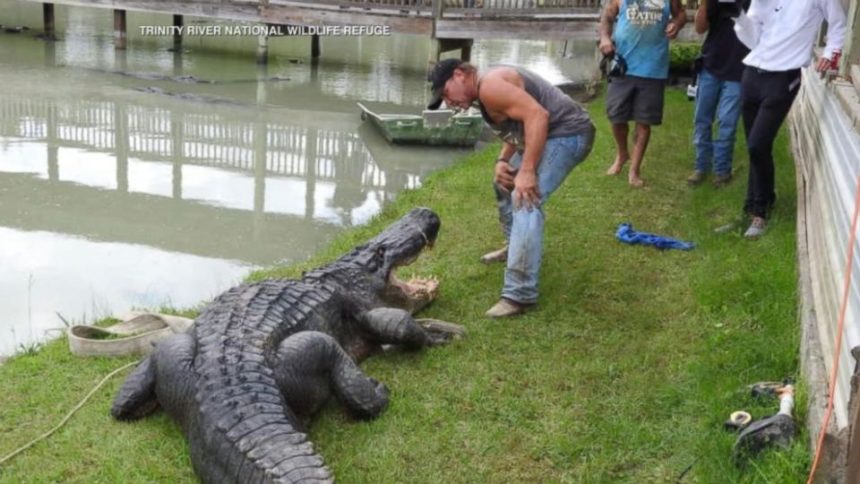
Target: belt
759	70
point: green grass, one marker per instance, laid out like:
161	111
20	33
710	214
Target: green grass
625	373
682	55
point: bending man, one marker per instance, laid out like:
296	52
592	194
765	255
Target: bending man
544	133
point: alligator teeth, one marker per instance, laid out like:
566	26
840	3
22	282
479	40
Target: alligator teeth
416	287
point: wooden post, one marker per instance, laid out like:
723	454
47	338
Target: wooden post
120	60
177	35
119	29
466	50
51	138
178	22
446	45
311	156
259	141
48	20
51	54
262	49
177	62
315	46
121	146
315	70
437	14
177	138
435	53
262	75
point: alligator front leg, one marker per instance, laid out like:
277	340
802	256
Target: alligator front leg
312	365
397	326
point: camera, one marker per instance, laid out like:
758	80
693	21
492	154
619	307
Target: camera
691	91
695	69
613	66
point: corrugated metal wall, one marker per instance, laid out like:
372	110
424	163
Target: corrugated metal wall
827	146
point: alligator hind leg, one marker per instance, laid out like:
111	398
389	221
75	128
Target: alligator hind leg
397	326
136	398
175	385
313	366
164	378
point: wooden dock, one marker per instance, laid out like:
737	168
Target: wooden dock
475	19
453	23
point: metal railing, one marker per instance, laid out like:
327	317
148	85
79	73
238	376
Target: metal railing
482	8
520	8
151	133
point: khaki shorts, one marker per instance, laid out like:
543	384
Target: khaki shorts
632	98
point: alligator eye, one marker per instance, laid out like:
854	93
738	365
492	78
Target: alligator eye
380	252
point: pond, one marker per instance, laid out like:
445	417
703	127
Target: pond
146	178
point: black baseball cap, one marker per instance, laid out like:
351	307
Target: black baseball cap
438	76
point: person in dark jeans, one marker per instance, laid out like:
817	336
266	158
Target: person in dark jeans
718	93
780	34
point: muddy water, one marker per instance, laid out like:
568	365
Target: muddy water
148	177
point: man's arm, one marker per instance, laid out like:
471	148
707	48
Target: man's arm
507	152
748	28
679	18
607	20
835	16
503	170
501	96
701	20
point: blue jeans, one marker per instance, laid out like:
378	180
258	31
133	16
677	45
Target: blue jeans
523	227
723	100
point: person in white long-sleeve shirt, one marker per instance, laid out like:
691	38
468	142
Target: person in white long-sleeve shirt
781	35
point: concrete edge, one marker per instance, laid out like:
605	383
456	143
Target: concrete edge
833	460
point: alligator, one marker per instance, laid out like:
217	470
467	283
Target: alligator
263	357
187	96
184	78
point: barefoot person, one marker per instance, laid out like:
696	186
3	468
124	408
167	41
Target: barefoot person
641	38
544	133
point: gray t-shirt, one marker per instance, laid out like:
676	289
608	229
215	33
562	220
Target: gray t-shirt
566	116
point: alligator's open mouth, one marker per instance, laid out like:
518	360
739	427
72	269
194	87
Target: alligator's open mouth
400	244
411	295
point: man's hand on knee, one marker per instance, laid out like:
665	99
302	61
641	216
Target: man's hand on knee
526	189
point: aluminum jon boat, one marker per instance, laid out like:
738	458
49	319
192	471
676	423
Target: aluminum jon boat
440	127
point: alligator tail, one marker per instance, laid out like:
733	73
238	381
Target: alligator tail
242	429
246	430
246	433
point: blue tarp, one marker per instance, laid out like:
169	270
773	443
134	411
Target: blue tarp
626	234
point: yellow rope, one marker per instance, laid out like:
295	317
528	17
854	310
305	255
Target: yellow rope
68	416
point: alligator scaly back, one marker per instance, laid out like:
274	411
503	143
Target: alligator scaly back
263	357
236	388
